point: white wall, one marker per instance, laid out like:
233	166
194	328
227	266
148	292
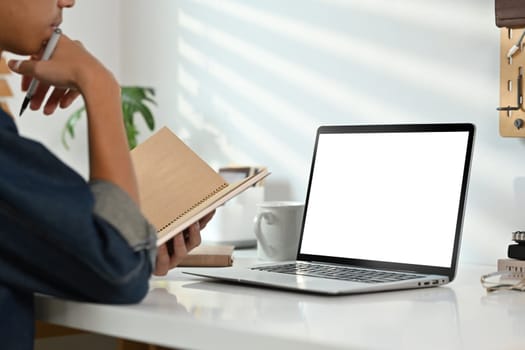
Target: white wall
249	81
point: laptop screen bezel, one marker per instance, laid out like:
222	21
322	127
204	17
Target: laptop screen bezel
450	272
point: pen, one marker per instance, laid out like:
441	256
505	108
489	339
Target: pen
48	51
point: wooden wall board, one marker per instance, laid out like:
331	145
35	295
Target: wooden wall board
511	123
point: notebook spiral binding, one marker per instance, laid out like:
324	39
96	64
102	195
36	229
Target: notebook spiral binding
218	189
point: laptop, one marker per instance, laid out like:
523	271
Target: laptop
384	211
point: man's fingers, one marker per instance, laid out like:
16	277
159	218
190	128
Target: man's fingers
26	80
194	236
16	66
69	98
179	246
204	221
39	96
54	100
162	264
179	249
23	67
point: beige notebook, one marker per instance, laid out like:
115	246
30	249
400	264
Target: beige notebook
176	186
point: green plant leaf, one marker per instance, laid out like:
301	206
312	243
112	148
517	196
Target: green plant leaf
69	127
134	100
147	116
150	98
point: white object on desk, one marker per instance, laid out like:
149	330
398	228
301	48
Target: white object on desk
277	227
232	223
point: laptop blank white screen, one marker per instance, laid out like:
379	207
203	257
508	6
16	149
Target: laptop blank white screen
386	196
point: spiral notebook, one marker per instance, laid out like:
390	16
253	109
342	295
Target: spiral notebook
176	186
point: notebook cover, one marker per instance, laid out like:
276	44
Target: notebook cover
199	211
177	187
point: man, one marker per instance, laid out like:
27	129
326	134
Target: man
61	235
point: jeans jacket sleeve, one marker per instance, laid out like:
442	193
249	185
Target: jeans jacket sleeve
62	236
117	208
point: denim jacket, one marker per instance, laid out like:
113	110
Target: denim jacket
62	236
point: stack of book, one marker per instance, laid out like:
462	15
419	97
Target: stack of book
515	263
514	266
209	256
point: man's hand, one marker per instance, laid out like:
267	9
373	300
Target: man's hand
170	254
63	74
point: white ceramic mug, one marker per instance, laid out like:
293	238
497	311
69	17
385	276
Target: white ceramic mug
277	227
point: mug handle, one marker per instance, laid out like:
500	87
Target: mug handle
270	219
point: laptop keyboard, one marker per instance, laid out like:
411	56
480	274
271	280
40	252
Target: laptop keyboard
338	272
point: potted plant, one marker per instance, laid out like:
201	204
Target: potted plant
135	99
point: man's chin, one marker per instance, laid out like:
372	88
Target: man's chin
31	49
25	52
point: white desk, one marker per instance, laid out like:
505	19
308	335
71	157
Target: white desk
192	313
